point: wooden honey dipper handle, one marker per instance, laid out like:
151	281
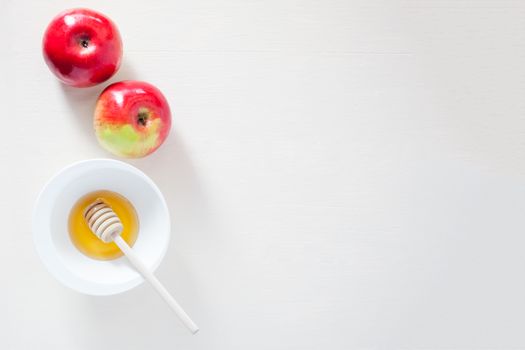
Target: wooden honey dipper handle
148	275
106	225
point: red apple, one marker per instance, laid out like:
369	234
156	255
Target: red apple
82	47
132	119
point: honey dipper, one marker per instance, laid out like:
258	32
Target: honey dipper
106	225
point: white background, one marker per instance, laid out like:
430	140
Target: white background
340	174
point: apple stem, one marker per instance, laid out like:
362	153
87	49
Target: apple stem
142	118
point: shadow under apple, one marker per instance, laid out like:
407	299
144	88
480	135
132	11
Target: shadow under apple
82	101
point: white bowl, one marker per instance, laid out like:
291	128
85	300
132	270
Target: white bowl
50	225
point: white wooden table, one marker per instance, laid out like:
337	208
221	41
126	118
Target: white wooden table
341	174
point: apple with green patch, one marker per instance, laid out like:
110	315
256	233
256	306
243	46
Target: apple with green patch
132	119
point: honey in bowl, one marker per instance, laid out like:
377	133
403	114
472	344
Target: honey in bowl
86	241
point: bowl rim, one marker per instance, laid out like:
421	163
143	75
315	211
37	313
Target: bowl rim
45	249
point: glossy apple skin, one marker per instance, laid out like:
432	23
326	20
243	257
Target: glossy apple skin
82	47
132	119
